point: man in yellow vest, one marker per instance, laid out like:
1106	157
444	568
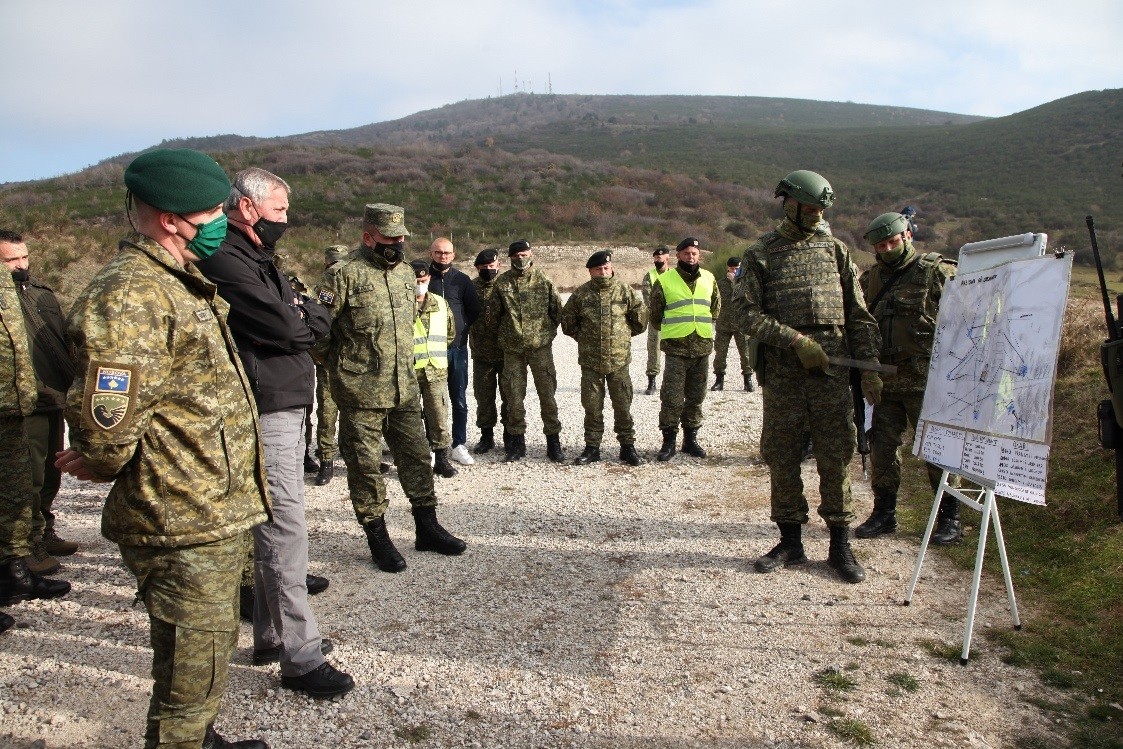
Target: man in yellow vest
432	330
684	305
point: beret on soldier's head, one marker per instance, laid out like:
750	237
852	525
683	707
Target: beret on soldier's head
487	257
688	242
597	259
733	262
517	246
420	268
661	251
389	220
179	180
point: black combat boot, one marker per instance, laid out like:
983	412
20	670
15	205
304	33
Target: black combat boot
629	455
431	536
214	741
382	549
487	441
787	553
516	447
690	444
554	449
590	455
719	383
650	385
948	528
316	584
245	602
749	382
882	520
441	466
667	451
326	474
310	464
841	556
6	622
18	583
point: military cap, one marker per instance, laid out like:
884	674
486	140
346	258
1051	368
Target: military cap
597	259
388	219
688	242
420	268
179	180
335	253
486	257
517	246
661	251
733	262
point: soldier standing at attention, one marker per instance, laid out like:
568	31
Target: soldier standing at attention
603	314
526	309
433	328
902	290
162	408
725	329
798	294
684	304
659	258
369	356
487	358
327	415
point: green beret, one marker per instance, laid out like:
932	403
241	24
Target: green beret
179	180
388	219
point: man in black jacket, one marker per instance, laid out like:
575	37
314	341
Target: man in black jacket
273	327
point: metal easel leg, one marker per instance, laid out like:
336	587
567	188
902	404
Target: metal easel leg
984	526
927	535
1000	539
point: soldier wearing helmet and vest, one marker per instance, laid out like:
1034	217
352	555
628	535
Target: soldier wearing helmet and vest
902	290
798	295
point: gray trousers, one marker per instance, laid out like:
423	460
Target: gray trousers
281	614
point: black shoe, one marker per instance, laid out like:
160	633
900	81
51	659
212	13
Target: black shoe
629	455
213	741
272	655
322	682
880	523
316	584
590	455
749	382
6	622
650	385
486	443
310	464
516	448
441	466
841	556
326	474
245	602
18	583
690	444
787	553
554	449
382	550
431	535
668	450
719	383
383	467
948	532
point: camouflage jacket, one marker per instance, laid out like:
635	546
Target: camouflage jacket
906	314
18	391
526	309
725	323
808	286
693	345
46	336
369	349
161	403
483	339
603	318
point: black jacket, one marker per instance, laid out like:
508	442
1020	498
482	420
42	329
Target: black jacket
458	290
272	332
50	354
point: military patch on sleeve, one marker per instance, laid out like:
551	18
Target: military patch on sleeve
203	315
109	395
325	297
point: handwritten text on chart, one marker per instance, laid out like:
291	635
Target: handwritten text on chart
1017	468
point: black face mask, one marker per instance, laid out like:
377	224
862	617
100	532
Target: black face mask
489	274
269	232
440	267
20	275
688	267
391	253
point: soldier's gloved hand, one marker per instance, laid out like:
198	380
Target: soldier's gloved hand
810	353
871	387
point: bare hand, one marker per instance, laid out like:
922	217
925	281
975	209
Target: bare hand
72	462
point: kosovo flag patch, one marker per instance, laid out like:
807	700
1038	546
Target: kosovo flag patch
108	403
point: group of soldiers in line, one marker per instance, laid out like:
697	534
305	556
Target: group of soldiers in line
193	377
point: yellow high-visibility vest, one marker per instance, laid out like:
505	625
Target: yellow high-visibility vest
432	348
687	312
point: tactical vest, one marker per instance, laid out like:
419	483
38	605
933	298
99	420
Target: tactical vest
432	347
906	313
803	287
687	311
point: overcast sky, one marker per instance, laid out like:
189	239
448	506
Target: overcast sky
83	80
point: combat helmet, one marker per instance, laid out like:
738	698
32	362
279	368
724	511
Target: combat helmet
806	187
884	226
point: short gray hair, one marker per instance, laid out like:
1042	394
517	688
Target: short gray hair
255	184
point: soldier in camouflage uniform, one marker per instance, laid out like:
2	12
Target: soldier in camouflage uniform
902	290
327	415
798	295
162	407
685	315
487	358
725	328
369	358
659	259
526	309
603	314
434	327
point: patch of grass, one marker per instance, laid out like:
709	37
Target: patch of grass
1101	711
1057	678
942	650
834	680
903	680
852	730
831	711
859	641
414	734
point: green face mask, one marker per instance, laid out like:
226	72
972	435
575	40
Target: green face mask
521	264
891	257
208	238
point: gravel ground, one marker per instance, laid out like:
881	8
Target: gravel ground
598	606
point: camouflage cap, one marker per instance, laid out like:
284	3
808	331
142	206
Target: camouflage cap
388	219
179	180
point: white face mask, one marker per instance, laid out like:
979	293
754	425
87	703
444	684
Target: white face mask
421	289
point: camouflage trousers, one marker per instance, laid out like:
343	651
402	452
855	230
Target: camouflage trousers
512	385
191	594
683	391
721	350
16	489
798	403
44	439
896	413
361	431
652	350
485	388
619	386
435	406
326	417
